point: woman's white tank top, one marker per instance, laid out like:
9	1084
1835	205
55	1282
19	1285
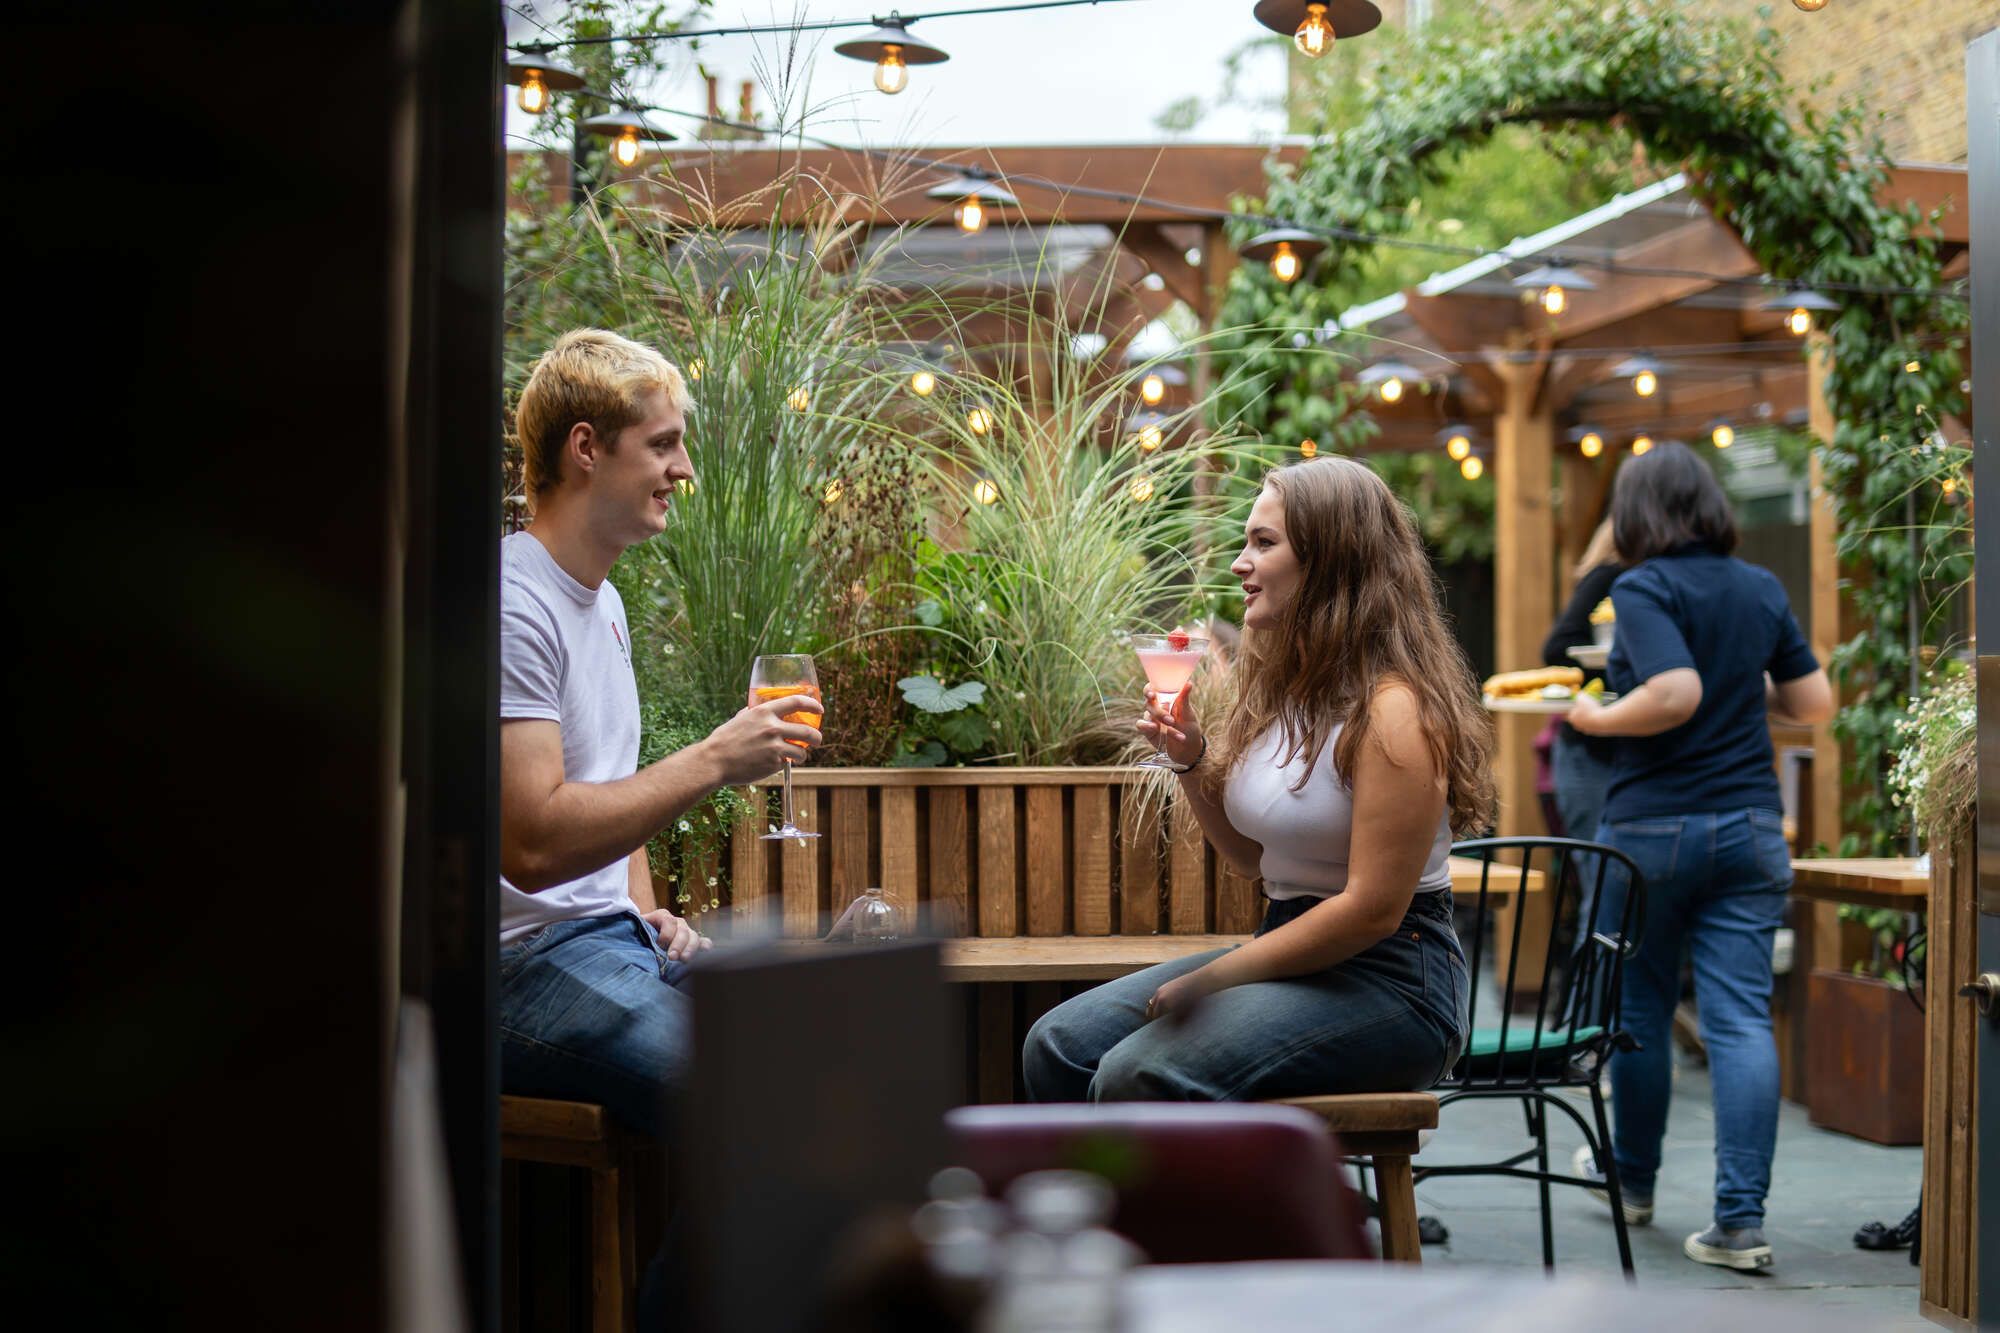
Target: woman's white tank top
1305	833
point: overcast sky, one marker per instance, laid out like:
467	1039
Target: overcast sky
1088	74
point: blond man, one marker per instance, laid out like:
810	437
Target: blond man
590	964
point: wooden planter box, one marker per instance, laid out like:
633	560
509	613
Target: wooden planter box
1865	1058
985	851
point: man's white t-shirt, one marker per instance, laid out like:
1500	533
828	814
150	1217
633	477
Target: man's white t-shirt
566	657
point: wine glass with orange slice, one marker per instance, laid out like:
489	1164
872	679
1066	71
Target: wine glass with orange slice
776	677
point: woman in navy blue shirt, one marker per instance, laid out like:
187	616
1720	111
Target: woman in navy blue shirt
1707	652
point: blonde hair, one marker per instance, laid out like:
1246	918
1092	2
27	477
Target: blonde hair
593	376
1602	550
1367	614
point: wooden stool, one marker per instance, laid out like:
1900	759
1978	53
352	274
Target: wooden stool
583	1135
1383	1127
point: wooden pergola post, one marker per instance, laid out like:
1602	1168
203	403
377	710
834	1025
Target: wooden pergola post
1825	599
1523	571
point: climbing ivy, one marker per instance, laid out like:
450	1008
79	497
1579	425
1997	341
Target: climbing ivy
1801	190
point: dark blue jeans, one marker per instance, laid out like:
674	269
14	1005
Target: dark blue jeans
1715	889
592	1010
1390	1019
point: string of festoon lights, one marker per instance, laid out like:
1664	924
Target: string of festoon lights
1286	247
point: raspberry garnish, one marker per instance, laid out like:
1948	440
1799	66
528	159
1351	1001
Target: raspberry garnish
1177	640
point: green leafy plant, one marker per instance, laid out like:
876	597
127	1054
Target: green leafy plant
946	722
1936	773
1895	952
1801	190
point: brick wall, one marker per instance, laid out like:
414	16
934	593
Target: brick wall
1904	58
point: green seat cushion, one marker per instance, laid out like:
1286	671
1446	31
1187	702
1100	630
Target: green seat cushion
1521	1039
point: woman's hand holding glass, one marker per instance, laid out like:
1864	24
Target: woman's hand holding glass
1177	734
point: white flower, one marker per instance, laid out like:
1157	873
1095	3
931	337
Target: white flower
685	827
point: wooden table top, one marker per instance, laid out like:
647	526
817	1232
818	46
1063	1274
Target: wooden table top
1873	881
1102	957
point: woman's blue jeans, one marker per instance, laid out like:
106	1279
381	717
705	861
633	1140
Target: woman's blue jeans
1715	890
1392	1018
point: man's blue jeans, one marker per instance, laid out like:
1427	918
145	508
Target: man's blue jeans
1392	1018
592	1010
1715	889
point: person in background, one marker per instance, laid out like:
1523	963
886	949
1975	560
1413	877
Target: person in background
1582	764
1707	653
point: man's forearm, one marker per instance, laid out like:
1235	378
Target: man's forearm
585	826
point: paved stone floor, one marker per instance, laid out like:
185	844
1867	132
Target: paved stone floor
1824	1186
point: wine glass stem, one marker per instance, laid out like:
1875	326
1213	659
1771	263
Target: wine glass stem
785	818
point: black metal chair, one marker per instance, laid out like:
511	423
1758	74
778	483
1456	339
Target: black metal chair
1574	1027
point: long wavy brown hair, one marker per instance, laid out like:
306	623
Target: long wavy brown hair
1367	613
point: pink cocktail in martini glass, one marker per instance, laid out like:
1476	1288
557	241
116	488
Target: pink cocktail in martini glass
1168	660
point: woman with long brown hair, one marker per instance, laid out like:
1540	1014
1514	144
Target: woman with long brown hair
1356	747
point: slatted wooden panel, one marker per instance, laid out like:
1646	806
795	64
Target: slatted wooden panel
998	852
996	905
1950	1258
1047	856
1139	843
951	861
1090	861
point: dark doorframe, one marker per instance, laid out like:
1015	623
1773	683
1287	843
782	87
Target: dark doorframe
1982	69
450	763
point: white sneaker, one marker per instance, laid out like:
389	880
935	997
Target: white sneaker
1638	1212
1745	1249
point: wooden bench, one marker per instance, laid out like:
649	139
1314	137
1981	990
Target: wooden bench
583	1135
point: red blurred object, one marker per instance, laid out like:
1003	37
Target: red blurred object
1177	639
1195	1183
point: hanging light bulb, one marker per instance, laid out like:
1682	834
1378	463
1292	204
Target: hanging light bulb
985	492
539	78
1722	435
625	148
1314	37
1640	444
834	490
1392	389
694	369
1459	446
1152	389
799	400
1646	383
1389	379
1308	449
1150	437
1471	467
1590	444
1912	367
1552	284
1285	265
1141	489
975	195
1809	6
1643	371
1554	299
923	383
1799	303
891	74
979	421
1287	250
1949	486
687	485
534	97
893	50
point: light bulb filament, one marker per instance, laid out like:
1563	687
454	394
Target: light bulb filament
1645	383
625	148
534	98
971	216
1152	389
891	74
1554	299
1392	389
1285	263
922	383
1799	322
1315	35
